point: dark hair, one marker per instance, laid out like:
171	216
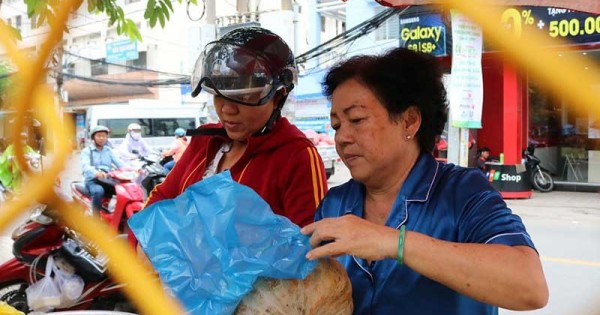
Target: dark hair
400	78
481	150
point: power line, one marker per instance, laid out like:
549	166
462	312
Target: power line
120	65
149	83
350	35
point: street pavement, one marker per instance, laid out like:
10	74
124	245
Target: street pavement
565	226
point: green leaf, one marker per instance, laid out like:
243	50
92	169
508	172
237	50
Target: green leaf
164	9
152	20
161	17
150	8
112	20
132	31
91	5
168	3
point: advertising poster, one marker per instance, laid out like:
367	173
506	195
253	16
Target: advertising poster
424	33
312	113
573	26
466	84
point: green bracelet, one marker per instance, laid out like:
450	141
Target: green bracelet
400	257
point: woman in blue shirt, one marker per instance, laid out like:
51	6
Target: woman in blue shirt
416	236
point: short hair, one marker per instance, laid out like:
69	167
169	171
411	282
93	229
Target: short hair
400	78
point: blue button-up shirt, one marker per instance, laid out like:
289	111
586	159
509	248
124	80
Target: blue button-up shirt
443	201
93	159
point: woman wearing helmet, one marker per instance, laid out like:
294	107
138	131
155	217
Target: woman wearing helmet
176	150
250	72
133	142
96	159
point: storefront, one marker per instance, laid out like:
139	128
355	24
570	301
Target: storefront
516	111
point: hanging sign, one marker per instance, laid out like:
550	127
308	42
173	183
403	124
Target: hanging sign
466	84
574	26
121	50
424	33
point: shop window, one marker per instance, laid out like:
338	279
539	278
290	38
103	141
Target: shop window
390	29
98	67
18	23
33	22
140	62
567	138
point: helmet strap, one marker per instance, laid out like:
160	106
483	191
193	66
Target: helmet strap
274	117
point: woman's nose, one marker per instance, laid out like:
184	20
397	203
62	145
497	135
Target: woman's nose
229	107
343	136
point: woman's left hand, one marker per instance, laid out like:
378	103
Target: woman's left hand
351	235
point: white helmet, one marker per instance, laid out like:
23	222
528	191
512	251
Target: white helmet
134	126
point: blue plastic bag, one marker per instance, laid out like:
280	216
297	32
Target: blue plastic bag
211	243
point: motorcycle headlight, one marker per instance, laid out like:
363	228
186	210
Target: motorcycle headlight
19	231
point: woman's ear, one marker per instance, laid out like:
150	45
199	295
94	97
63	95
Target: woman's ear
279	95
412	120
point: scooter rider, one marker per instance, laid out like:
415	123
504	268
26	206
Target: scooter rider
177	149
11	174
96	159
134	144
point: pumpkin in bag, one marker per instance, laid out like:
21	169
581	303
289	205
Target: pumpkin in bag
326	290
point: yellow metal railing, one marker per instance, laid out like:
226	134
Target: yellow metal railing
565	76
141	286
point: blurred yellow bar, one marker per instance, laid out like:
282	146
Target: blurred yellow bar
141	286
562	76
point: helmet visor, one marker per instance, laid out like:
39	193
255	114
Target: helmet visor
235	73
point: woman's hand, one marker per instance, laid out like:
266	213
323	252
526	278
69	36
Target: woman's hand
351	235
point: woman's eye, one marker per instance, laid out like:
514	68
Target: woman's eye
356	120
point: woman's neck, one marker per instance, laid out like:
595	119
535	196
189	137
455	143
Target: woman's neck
381	194
232	155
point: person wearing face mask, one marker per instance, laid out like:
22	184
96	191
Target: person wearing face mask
134	143
249	73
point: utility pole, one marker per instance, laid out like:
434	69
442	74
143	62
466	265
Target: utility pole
210	12
56	66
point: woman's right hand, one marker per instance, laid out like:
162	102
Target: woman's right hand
351	235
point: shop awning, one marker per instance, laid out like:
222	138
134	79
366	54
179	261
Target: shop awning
592	6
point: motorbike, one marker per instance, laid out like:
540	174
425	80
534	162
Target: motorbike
154	172
118	206
540	178
41	239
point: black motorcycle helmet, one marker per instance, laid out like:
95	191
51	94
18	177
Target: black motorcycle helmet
248	66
